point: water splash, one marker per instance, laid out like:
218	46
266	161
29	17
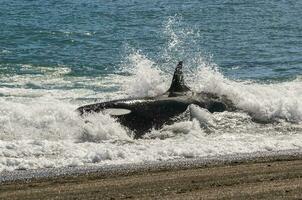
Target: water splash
146	80
265	102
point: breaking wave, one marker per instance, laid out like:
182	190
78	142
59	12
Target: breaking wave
265	102
45	131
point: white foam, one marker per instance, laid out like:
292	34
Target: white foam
265	102
204	117
180	140
44	130
147	79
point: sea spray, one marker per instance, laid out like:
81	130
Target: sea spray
147	79
265	102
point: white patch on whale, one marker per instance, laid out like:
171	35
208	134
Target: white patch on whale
116	111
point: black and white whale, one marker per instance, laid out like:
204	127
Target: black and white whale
142	114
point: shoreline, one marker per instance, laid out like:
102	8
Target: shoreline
107	171
261	175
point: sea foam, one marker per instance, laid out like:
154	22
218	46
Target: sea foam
43	130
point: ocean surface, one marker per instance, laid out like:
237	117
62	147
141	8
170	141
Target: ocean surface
58	55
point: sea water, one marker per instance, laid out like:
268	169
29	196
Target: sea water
58	55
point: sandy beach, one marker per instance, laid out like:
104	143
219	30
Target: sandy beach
256	177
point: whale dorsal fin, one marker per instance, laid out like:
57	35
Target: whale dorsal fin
178	84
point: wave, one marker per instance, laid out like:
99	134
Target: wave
45	131
265	102
51	111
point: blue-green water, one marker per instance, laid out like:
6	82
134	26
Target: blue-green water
58	55
247	40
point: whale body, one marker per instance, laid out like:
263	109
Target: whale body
142	114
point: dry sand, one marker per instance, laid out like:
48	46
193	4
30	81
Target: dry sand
274	177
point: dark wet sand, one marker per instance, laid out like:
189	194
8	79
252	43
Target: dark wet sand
268	178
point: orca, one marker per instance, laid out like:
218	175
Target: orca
140	115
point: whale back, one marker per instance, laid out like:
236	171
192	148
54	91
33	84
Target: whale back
178	85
